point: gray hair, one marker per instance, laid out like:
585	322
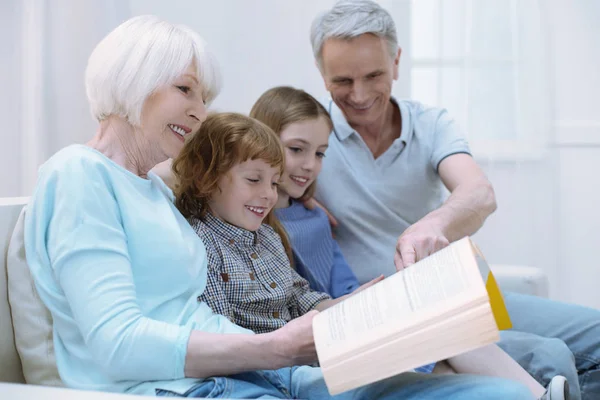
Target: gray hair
349	19
137	57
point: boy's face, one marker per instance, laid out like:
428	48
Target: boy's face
246	194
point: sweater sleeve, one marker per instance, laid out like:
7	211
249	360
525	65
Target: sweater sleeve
343	280
74	236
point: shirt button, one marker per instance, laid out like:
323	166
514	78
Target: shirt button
231	241
273	285
275	314
254	256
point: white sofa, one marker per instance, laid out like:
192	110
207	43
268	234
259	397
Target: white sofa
12	377
10	368
515	278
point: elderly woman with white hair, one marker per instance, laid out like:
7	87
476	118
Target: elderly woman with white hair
120	269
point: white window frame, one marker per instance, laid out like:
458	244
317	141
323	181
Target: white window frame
520	148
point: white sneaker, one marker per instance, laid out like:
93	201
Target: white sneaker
558	389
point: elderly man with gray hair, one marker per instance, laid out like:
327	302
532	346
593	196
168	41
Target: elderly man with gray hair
385	177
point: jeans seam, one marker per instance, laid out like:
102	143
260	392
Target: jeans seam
226	383
169	393
583	375
587	358
279	384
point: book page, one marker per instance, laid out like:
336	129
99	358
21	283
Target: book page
439	340
421	292
443	275
367	310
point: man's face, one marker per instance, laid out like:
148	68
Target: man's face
359	74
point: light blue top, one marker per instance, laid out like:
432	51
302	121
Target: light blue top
120	269
375	200
317	256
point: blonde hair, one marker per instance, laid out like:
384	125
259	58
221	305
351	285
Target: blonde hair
284	105
223	141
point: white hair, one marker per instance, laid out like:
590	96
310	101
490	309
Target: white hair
136	58
349	19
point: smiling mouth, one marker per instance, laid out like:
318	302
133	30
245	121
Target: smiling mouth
362	108
179	131
299	180
258	211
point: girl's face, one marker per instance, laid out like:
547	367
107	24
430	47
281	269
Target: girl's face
305	143
246	194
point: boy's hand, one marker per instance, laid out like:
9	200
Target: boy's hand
369	284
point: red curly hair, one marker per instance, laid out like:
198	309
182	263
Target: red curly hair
223	141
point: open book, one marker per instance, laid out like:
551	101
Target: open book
442	306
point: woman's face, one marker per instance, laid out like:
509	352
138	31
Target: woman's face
305	143
171	113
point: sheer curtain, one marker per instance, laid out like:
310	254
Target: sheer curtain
487	61
45	46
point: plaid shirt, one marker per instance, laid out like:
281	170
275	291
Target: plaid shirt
250	280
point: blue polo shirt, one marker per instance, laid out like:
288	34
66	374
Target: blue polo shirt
375	200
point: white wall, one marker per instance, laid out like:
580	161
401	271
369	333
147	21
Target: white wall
261	43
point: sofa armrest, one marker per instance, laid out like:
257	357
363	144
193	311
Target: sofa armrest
521	279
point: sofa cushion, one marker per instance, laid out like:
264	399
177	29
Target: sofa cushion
31	319
10	364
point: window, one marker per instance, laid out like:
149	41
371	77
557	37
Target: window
468	56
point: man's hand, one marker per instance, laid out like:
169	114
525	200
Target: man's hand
312	203
417	242
295	343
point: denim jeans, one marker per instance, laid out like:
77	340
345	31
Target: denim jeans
552	338
307	383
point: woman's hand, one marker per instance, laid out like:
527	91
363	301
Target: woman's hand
214	354
295	342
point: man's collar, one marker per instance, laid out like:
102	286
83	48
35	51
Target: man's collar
343	130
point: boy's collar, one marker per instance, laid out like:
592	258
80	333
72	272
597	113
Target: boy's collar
230	233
